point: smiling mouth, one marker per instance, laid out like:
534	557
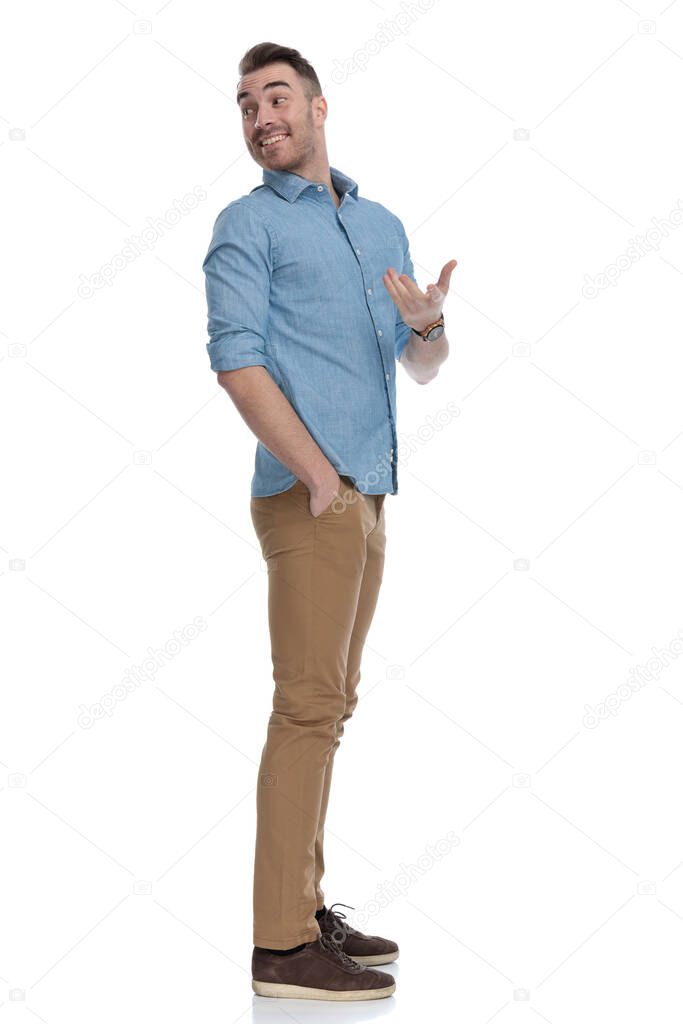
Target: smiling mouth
279	138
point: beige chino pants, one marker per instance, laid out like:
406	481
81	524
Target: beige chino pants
324	576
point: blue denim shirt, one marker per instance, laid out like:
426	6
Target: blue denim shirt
294	283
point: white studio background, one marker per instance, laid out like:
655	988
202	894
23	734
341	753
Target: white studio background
506	794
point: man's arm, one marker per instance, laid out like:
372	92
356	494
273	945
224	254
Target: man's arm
238	269
270	416
422	359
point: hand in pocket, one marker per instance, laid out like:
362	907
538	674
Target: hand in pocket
322	497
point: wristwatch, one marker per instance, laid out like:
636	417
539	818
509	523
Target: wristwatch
432	331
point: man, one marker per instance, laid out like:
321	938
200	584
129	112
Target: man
307	318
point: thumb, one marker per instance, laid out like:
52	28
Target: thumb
445	276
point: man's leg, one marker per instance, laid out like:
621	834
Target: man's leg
367	601
315	571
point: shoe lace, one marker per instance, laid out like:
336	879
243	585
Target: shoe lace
336	912
334	924
328	942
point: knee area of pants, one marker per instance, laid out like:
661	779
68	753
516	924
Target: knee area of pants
327	715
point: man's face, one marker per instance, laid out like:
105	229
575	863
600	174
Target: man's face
276	109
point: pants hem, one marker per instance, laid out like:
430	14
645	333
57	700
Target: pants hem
294	940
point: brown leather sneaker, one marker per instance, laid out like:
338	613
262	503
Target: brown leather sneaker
318	971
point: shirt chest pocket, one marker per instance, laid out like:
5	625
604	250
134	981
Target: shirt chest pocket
386	252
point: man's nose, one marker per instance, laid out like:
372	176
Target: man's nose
262	122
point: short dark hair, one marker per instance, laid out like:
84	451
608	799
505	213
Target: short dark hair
262	54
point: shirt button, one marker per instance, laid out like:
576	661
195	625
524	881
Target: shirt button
386	375
358	252
379	334
320	188
369	291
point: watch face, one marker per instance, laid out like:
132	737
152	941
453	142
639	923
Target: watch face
435	333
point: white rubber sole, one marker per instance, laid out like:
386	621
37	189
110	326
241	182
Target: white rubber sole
377	959
271	988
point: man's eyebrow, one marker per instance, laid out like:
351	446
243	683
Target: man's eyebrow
268	85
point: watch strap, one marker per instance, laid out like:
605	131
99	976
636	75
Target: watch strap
437	323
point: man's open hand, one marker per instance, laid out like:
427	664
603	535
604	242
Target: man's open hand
417	308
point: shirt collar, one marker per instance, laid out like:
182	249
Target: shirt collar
290	186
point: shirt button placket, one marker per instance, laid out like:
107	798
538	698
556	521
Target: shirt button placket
380	334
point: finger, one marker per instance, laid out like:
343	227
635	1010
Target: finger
413	289
397	289
445	275
389	285
406	286
396	282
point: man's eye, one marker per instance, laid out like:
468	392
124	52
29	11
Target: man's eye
245	110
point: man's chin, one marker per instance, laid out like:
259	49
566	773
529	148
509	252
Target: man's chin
273	163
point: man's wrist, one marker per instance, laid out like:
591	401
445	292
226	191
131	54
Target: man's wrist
428	326
317	475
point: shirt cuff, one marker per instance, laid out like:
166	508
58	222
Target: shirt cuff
236	352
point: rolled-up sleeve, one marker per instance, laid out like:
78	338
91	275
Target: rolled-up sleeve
238	269
402	332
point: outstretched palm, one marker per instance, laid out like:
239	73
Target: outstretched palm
417	308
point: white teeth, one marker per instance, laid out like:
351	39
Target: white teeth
273	138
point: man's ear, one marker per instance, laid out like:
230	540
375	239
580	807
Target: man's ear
321	108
